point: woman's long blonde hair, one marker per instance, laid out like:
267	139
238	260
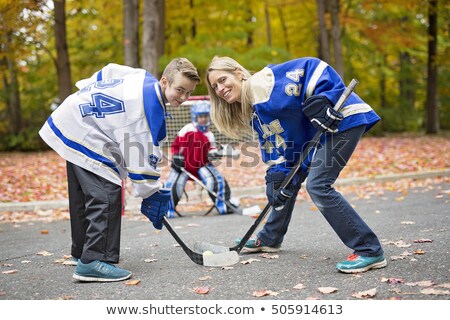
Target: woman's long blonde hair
233	119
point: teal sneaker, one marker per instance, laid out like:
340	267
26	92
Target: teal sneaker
256	245
356	263
100	271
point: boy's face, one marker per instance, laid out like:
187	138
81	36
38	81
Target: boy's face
179	91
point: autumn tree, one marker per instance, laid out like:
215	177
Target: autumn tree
152	34
130	32
62	52
432	119
8	66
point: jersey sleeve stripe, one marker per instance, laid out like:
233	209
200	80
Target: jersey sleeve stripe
80	148
141	177
315	77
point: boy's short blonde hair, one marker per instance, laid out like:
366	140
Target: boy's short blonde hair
183	66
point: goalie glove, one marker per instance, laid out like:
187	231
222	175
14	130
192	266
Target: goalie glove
320	112
214	155
178	162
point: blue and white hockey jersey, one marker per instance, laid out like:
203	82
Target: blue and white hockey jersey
278	93
113	127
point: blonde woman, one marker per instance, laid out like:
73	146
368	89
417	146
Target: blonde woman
286	104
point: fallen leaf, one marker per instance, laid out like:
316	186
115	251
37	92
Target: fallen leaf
392	280
444	285
61	261
419	251
249	261
204	278
402	244
133	282
227	268
407	222
424	283
327	290
434	291
150	260
299	286
201	290
268	256
9	272
44	253
262	293
193	225
25	261
393	258
44	231
365	294
423	241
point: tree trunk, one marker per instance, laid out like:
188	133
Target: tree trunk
11	93
268	27
153	35
130	32
324	48
193	22
62	53
250	30
383	103
406	82
432	124
284	28
336	36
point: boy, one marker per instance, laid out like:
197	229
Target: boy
110	129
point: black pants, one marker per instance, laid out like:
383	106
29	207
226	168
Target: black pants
95	215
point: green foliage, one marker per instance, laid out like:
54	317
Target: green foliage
375	34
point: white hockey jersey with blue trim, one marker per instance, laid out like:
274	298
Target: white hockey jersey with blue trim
113	127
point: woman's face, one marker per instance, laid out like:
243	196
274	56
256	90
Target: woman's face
227	85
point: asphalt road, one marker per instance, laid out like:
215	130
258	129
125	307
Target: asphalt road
308	257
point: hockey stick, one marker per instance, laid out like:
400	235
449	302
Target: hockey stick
221	259
311	145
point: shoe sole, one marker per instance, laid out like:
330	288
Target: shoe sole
261	249
97	279
377	265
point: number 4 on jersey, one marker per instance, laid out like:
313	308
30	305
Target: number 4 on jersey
101	105
295	75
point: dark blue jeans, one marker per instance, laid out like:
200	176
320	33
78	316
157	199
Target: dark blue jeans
331	157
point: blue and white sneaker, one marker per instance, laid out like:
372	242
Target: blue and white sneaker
100	271
356	263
